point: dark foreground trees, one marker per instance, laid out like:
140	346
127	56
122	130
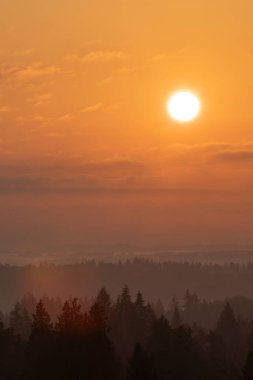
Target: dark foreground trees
140	365
247	372
77	348
123	341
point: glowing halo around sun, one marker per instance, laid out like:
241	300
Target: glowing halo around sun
184	106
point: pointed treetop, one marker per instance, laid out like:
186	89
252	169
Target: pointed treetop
125	297
41	318
176	320
103	298
71	318
139	300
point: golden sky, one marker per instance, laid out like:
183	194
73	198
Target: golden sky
84	86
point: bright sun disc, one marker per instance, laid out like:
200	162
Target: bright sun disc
184	106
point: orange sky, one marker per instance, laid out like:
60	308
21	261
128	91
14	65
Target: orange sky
84	86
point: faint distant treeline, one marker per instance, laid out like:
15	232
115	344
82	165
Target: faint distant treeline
157	280
124	339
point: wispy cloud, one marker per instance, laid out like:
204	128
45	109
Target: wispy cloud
90	176
235	156
5	109
92	108
41	100
23	53
104	56
27	72
107	80
92	43
156	58
37	70
197	156
66	117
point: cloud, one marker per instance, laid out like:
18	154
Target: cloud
5	109
124	70
36	70
23	53
107	80
41	100
111	108
87	185
20	183
27	72
54	135
114	166
91	108
66	117
90	176
92	43
225	151
146	171
104	56
156	58
235	156
8	71
209	153
38	118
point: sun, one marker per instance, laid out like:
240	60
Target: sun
184	106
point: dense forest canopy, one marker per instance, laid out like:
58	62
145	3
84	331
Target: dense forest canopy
126	339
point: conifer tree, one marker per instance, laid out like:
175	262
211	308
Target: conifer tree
176	320
103	299
71	319
248	368
228	328
41	319
20	322
140	366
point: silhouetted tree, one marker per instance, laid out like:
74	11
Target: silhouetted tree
12	350
41	351
52	305
99	348
160	346
191	306
20	322
187	356
28	302
228	328
103	299
140	365
176	354
176	320
130	323
191	300
247	372
122	324
125	298
143	318
96	342
97	318
72	319
216	354
159	308
41	319
140	302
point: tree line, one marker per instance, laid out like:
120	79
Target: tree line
211	282
193	309
124	340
